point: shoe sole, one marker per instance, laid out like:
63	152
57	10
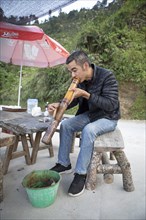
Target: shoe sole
78	194
66	171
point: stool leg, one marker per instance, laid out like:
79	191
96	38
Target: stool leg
126	170
108	177
92	172
73	143
112	156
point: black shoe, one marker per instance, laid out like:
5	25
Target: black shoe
78	185
61	169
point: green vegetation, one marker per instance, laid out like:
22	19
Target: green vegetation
113	36
138	110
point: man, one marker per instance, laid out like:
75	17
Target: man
98	113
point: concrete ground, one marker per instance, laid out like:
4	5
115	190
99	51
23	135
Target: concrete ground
107	202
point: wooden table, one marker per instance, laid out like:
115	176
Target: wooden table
22	124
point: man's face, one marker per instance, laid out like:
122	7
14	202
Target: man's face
77	71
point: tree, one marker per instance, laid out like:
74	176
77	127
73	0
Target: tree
1	14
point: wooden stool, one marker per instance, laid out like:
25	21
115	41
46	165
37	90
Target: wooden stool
110	142
1	181
5	140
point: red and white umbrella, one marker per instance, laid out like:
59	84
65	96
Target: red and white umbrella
29	46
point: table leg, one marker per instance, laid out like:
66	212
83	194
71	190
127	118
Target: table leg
8	157
36	147
16	143
30	137
26	149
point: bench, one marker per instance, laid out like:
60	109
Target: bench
113	143
6	140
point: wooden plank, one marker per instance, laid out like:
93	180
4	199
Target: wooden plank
18	154
109	141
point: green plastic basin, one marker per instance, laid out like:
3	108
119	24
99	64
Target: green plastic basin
41	187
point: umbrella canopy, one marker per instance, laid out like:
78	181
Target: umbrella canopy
29	46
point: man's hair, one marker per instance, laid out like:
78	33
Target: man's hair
80	57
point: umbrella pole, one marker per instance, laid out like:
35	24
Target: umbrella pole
20	86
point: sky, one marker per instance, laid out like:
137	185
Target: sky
88	4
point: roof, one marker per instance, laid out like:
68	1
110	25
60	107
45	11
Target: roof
38	8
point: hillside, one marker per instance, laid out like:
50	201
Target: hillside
114	38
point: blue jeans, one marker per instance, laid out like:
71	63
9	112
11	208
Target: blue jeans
90	130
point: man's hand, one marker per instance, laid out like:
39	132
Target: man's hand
52	108
80	93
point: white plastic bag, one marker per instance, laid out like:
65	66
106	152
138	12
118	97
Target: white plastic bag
36	111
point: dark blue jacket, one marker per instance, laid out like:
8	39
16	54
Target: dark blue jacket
103	101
